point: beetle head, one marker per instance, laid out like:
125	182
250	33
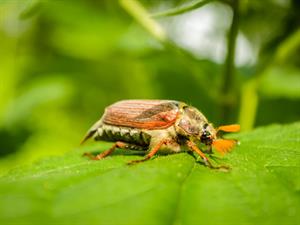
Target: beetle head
208	134
192	124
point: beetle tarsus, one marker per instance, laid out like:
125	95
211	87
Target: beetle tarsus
133	162
211	166
208	151
99	156
88	154
102	155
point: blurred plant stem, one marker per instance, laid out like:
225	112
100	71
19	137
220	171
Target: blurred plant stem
249	92
227	95
249	102
143	17
179	10
288	47
137	11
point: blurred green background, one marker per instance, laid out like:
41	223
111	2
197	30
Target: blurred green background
63	61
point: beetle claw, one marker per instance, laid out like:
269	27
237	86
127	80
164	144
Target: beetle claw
92	157
88	154
207	163
221	167
133	162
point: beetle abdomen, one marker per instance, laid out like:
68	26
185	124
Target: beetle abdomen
125	134
126	119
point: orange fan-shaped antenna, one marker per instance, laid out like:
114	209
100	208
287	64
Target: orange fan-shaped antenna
229	128
223	146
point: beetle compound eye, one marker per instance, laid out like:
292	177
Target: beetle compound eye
206	133
206	137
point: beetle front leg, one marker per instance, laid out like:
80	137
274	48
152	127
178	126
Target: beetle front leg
194	148
102	155
209	150
152	152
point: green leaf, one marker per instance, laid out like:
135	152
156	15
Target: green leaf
263	186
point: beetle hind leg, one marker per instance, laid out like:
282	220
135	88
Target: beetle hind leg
102	154
107	152
118	144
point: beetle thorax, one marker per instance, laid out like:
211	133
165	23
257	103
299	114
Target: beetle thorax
191	123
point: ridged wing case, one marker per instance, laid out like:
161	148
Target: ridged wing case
142	114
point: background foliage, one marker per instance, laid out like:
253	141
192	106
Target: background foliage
63	61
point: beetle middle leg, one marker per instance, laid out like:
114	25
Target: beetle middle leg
152	152
208	150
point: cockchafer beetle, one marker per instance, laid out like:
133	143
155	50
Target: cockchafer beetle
158	125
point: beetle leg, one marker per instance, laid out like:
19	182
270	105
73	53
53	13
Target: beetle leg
194	148
209	150
102	155
150	154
